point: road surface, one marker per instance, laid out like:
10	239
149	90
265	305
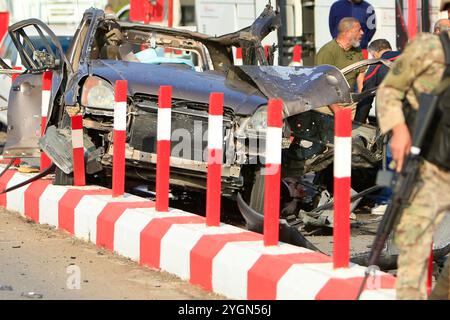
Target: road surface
39	262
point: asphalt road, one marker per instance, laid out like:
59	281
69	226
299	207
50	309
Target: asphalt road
39	262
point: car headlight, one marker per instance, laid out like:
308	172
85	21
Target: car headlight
98	93
258	122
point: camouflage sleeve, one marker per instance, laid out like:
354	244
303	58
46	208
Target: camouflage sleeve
413	62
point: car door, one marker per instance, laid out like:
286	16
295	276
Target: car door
5	79
25	97
357	97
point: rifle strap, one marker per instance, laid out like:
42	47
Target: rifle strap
445	83
445	40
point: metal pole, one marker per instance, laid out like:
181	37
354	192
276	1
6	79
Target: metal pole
426	21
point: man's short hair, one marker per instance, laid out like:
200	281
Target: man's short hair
379	45
346	24
441	25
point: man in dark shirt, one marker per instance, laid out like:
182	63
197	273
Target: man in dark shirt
379	49
359	9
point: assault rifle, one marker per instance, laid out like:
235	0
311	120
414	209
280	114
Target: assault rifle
402	184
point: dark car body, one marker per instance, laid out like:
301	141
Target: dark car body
105	50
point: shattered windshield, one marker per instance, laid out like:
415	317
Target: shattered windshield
114	43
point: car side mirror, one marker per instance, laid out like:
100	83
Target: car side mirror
46	60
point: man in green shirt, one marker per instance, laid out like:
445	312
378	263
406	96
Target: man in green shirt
344	51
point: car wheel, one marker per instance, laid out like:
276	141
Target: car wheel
63	179
257	193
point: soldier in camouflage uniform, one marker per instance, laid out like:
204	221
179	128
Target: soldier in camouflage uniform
419	69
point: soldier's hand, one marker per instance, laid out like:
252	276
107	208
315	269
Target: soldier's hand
400	144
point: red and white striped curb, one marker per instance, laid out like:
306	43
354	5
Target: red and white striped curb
226	260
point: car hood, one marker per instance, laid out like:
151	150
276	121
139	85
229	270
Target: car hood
186	84
300	88
245	88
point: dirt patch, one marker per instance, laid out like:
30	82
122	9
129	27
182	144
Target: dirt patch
40	259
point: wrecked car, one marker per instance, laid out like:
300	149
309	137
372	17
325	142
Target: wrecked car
105	50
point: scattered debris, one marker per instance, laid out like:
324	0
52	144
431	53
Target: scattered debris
32	295
5	287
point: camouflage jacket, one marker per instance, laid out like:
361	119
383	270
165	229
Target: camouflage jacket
419	69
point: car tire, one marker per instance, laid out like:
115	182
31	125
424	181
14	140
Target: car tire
63	179
257	193
256	201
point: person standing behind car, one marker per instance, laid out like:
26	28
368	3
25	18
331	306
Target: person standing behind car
442	25
419	69
342	52
109	9
359	9
378	49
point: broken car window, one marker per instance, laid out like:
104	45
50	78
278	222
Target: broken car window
115	43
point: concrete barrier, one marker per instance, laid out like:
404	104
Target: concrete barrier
226	260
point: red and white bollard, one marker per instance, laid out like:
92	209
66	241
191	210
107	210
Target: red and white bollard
46	97
15	75
267	51
342	185
297	56
120	135
4	23
365	53
238	58
215	154
13	79
430	272
170	14
412	18
79	174
163	148
272	172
